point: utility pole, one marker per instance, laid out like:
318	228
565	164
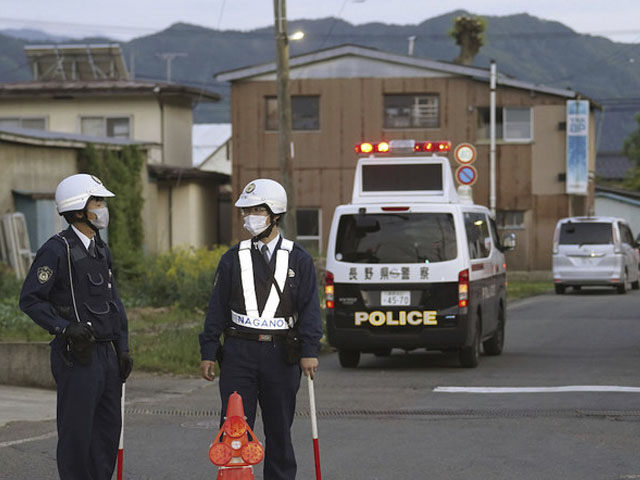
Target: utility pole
492	137
168	57
285	145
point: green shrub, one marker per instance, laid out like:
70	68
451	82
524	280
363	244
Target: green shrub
15	325
182	277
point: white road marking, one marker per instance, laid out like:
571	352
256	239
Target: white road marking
26	440
568	388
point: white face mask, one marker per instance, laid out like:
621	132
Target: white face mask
256	224
103	217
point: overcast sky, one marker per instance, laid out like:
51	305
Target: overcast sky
618	20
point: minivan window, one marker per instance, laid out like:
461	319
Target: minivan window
592	233
396	238
478	236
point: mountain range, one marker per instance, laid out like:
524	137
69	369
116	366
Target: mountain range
526	47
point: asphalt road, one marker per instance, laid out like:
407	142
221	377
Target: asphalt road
395	418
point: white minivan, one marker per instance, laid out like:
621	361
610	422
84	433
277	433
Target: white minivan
410	264
598	251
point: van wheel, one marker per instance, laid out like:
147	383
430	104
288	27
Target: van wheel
470	356
349	358
559	289
495	344
622	288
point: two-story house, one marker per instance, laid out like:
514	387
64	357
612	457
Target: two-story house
348	94
86	90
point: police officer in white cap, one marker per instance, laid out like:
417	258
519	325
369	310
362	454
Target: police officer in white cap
70	292
265	303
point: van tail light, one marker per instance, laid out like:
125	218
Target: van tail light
617	248
556	239
328	290
463	289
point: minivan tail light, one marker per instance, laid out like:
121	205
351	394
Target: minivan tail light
328	290
556	239
463	289
617	248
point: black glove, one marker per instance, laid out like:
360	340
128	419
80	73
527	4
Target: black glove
81	339
126	365
79	333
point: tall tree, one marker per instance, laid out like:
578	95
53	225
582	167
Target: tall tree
469	35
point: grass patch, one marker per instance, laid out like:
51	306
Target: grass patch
523	289
165	340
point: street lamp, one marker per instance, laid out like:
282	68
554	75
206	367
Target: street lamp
299	35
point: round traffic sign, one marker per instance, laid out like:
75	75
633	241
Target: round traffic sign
465	153
466	174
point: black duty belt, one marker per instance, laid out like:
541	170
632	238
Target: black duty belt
258	337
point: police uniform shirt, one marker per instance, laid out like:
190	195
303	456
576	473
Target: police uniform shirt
271	246
86	241
46	288
301	288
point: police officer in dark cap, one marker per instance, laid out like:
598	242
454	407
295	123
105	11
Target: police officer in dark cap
70	292
265	303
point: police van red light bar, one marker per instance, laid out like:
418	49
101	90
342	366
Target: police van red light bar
367	147
442	146
403	145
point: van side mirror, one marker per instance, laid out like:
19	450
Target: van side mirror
508	242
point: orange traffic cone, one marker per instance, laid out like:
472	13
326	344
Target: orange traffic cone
234	453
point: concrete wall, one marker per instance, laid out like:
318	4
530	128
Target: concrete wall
63	115
194	214
26	364
178	122
169	122
31	168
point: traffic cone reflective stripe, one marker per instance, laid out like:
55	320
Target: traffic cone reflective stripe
232	450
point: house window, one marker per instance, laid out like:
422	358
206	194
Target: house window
41	216
510	218
513	124
411	111
116	127
305	112
309	229
36	123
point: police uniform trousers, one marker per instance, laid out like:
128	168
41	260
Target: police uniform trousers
257	371
88	412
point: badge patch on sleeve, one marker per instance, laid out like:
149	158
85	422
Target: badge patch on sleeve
44	274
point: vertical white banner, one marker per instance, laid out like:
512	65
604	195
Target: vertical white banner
577	146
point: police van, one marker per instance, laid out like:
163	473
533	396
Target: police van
410	264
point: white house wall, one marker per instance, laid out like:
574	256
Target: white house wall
64	115
611	206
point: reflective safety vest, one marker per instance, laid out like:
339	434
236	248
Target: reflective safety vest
265	320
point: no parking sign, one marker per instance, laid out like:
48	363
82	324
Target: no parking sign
466	174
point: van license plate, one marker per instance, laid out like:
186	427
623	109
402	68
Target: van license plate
395	298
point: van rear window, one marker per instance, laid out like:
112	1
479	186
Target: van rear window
574	233
396	238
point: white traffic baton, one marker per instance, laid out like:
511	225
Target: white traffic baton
314	426
121	444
